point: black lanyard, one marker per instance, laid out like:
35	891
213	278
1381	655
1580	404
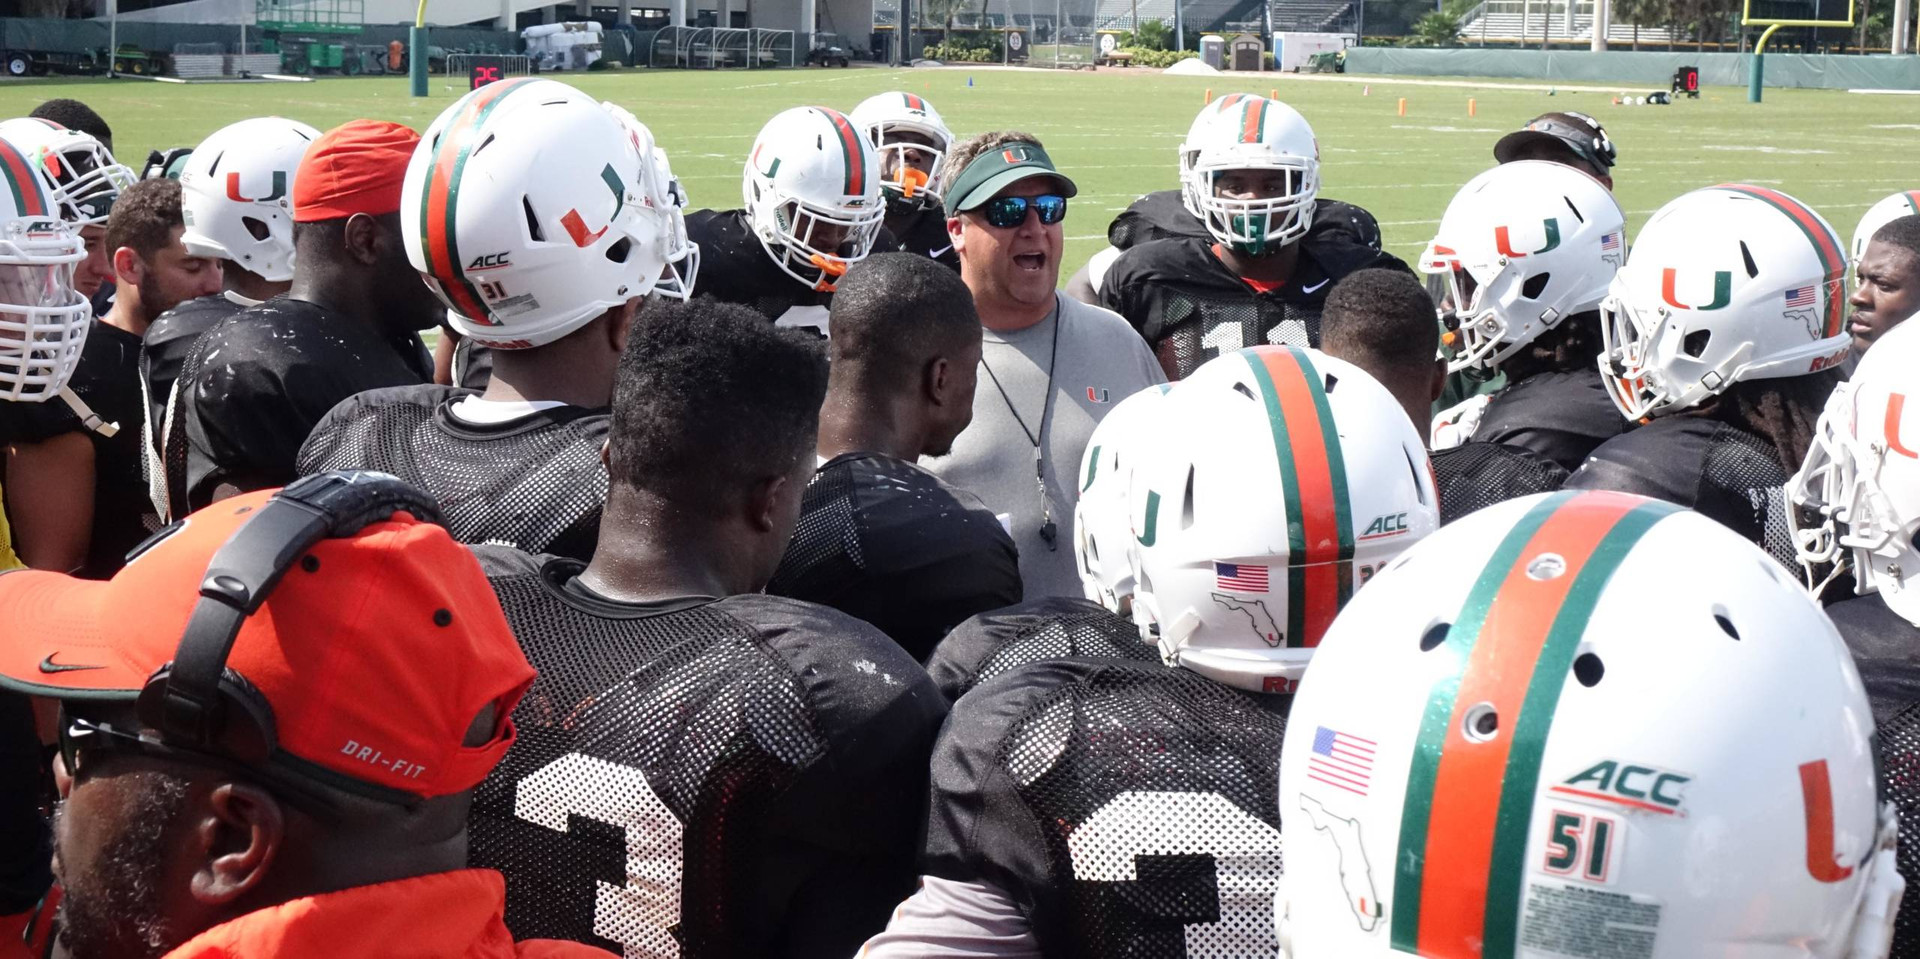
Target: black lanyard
1048	531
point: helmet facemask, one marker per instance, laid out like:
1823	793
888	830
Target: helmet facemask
908	186
1650	363
43	321
85	181
1259	225
816	245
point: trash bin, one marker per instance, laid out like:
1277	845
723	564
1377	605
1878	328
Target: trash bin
1213	51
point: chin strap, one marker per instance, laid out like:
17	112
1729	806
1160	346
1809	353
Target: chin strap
88	417
1880	898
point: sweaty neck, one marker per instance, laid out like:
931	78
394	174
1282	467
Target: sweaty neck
251	285
569	370
1275	267
127	314
854	423
652	550
336	293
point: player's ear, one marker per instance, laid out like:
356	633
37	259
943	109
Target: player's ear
954	230
362	238
763	503
937	380
1439	384
128	268
620	323
239	831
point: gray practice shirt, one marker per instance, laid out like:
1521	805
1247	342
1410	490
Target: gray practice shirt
1101	362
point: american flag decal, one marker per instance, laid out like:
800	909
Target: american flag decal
1799	296
1240	578
1610	241
1341	760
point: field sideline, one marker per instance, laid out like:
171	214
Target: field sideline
1116	133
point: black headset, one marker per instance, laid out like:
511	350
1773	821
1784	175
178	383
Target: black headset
195	701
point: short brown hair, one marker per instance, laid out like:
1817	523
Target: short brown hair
964	152
145	216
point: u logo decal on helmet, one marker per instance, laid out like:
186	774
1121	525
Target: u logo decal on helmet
1504	244
1722	290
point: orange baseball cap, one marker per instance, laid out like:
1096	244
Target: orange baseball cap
356	167
375	652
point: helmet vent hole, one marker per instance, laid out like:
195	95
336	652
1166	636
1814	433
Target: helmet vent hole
1572	209
618	252
533	221
215	167
1186	502
1434	636
1243	390
1746	256
1535	285
1331	382
256	228
1482	723
1726	625
1695	345
1588	669
485	143
1546	566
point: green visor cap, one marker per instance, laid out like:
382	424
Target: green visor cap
995	170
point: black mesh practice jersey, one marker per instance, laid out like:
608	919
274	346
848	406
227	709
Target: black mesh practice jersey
107	378
1732	476
735	268
1191	308
534	483
257	382
1130	809
883	540
925	232
1056	627
472	365
1561	416
1163	214
1893	690
1475	475
739	777
167	343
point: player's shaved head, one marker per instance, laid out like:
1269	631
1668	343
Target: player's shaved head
709	399
1902	232
895	312
1383	322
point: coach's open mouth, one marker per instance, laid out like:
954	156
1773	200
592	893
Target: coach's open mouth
1030	261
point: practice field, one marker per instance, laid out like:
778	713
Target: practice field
1116	133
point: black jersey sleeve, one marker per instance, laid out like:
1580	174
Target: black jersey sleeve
1055	627
1475	475
1560	416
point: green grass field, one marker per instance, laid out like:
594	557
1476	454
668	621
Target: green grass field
1117	133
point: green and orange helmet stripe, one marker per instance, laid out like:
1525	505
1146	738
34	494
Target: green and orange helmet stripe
1313	475
1253	120
853	151
1826	243
439	201
23	184
1469	804
914	102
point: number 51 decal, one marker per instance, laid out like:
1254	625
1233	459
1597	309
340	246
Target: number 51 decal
1580	845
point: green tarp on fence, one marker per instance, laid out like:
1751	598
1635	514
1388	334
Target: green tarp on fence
76	36
1650	70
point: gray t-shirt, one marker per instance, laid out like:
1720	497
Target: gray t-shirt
1101	362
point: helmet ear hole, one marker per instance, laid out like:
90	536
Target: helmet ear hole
533	221
618	252
1434	636
256	227
1695	345
1535	285
1588	669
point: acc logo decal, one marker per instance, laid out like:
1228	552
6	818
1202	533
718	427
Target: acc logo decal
488	261
1504	244
1390	524
1644	788
1722	290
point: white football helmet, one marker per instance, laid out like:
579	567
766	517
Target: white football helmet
662	191
1522	247
812	190
883	117
236	194
536	212
1725	284
1904	203
1494	755
1289	479
1240	131
1101	529
1861	478
43	320
85	177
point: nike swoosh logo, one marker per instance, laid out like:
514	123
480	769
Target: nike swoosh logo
936	253
47	665
1310	289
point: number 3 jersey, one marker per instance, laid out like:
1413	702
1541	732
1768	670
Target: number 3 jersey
740	777
1128	809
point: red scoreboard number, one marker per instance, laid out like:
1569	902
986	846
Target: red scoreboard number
484	70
